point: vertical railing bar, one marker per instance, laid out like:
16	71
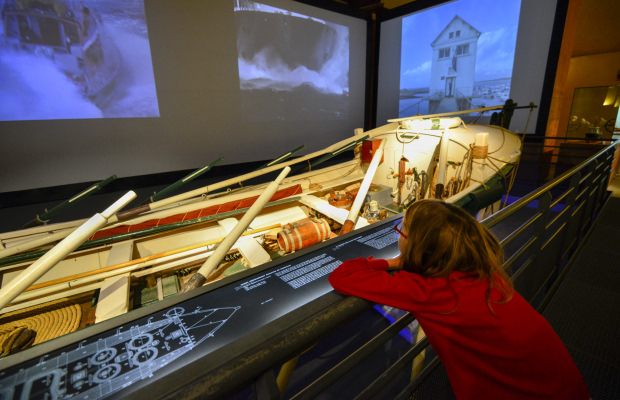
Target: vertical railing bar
413	385
539	235
524	266
555	219
265	387
544	303
552	235
516	233
605	174
512	208
584	220
583	196
570	207
543	207
328	378
554	272
592	193
389	374
508	262
578	206
562	196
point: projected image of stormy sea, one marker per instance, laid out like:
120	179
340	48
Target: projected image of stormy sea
65	59
291	66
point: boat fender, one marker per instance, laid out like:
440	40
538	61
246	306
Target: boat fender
479	199
369	147
303	233
481	145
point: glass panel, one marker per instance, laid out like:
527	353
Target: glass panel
594	112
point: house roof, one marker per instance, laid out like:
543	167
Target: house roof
456	18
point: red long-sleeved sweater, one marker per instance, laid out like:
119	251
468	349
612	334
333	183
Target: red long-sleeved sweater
514	354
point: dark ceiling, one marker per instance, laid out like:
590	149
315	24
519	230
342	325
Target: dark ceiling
364	5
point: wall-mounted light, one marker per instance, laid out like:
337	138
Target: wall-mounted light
612	97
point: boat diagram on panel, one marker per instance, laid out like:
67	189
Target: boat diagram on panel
106	365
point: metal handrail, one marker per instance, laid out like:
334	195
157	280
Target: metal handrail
256	366
522	202
315	388
603	158
574	200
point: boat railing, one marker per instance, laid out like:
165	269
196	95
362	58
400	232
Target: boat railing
539	232
545	158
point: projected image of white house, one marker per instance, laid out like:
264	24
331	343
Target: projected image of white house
291	66
458	56
65	59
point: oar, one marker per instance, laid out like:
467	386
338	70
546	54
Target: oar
447	114
153	257
44	217
506	106
60	251
34	243
349	224
280	159
200	277
162	193
337	147
442	164
331	154
125	215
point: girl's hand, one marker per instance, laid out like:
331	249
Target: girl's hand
395	263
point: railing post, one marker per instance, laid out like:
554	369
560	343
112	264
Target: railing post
544	204
605	174
537	261
265	386
590	196
569	218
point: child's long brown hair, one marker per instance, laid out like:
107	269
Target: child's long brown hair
442	238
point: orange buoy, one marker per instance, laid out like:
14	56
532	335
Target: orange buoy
302	234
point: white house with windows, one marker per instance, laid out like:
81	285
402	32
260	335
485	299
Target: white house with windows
454	63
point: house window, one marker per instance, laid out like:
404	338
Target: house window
458	33
462	49
451	35
444	53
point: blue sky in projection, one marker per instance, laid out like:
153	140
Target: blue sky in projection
497	20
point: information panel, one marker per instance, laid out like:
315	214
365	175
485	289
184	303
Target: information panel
150	347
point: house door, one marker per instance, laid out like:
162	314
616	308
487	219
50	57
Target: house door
450	86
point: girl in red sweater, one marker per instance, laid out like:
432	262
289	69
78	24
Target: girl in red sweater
449	275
